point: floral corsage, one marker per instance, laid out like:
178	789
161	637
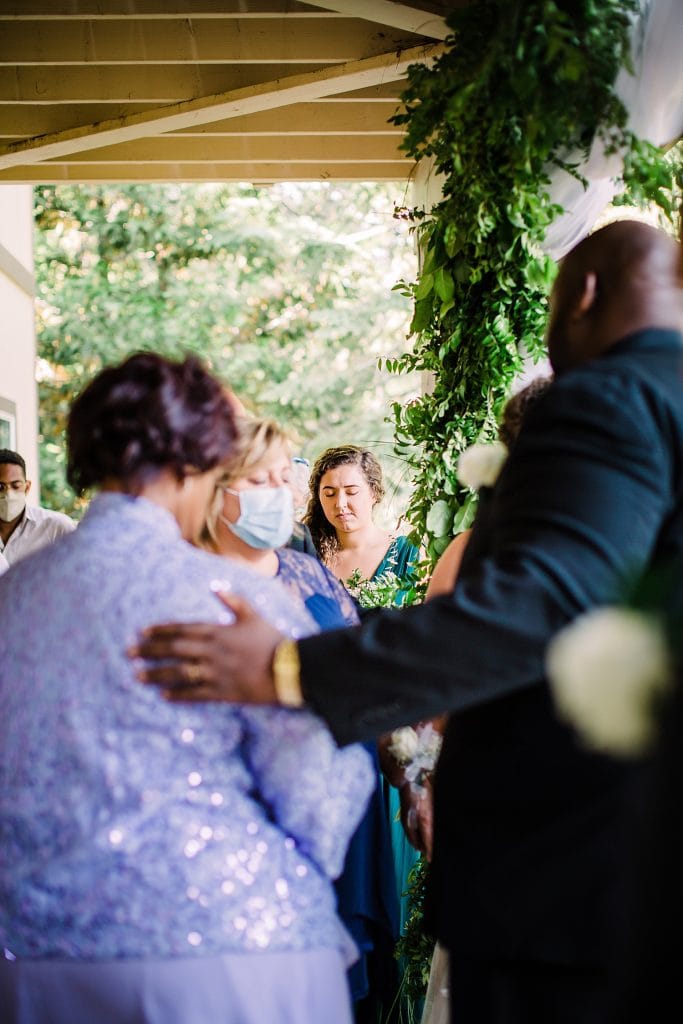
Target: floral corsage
416	751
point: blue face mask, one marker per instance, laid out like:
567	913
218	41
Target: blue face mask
266	518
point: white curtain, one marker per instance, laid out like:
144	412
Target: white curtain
653	97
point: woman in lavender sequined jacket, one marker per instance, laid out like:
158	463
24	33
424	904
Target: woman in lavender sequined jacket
160	862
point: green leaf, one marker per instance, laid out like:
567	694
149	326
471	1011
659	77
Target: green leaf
422	316
464	517
444	285
424	286
439	518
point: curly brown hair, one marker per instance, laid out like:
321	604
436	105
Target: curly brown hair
322	531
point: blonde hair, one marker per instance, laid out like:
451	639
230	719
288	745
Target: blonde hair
255	440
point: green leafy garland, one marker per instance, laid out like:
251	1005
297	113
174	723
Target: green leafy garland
523	84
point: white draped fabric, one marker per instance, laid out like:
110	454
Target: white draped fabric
653	97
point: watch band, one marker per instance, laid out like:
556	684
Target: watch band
286	674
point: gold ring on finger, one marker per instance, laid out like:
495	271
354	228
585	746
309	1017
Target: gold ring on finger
193	673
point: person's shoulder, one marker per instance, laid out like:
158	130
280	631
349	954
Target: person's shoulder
57	521
221	572
618	388
641	361
297	565
294	560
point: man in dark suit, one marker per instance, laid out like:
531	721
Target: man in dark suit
527	824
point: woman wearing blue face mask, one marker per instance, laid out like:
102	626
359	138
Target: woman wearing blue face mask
252	518
249	521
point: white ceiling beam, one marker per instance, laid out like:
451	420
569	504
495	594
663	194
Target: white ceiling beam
130	42
24	120
319	118
244	149
188	114
46	174
408	17
131	90
386	92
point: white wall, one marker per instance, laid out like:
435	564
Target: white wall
17	325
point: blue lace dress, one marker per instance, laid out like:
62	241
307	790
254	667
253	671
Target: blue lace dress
367	901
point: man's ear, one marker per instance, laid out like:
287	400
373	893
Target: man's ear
28	487
587	296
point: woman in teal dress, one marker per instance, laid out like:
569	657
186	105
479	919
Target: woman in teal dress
378	569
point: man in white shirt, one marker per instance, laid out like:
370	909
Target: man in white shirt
23	528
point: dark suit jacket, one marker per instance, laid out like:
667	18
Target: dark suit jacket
528	825
648	986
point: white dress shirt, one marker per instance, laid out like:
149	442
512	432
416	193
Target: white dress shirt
38	527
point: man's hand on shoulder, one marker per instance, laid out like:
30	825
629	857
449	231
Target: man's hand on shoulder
212	661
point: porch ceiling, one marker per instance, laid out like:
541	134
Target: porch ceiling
208	90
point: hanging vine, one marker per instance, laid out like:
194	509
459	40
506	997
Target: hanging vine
522	84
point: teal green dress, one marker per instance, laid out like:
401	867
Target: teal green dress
400	558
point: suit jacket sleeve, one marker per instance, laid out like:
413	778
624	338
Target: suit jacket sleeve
574	517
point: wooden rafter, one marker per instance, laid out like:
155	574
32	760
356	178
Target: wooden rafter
406	16
258	173
168	89
265	96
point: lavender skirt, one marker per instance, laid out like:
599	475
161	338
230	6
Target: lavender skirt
263	988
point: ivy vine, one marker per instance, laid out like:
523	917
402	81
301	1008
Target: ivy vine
522	84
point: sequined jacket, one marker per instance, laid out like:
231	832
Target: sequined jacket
132	827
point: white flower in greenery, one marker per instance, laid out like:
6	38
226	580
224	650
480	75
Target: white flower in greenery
607	670
480	464
404	744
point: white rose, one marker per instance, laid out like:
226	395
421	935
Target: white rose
480	464
404	744
606	670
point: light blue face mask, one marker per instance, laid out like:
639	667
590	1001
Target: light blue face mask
266	518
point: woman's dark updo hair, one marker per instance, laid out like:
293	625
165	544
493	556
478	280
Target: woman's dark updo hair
322	531
517	408
146	414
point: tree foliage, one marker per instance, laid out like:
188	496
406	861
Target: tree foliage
284	292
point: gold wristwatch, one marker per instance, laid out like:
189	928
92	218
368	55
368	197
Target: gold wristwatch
286	674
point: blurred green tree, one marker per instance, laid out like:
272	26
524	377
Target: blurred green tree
286	292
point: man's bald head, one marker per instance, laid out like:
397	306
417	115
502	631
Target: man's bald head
626	277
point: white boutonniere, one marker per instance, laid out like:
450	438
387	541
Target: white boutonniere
417	751
480	464
607	671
